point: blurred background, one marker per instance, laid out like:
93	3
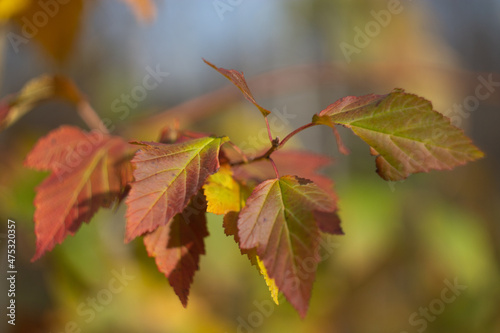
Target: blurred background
406	244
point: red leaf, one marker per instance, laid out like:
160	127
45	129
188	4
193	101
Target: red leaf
328	222
238	79
167	176
177	246
279	222
302	164
88	172
230	224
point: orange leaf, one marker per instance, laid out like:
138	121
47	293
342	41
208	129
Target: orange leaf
54	25
144	10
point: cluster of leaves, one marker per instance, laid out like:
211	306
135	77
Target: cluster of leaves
275	205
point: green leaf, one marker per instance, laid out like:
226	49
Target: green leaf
167	176
279	222
403	131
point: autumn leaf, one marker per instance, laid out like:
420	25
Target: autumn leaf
58	32
223	193
305	165
226	196
55	25
9	8
403	131
271	284
231	229
37	91
88	171
167	176
177	246
278	220
289	162
238	79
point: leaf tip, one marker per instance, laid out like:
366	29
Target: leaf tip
209	63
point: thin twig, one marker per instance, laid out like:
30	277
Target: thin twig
274	167
269	130
289	136
90	117
239	151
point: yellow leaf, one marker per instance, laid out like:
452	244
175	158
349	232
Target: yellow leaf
270	282
222	192
9	8
54	26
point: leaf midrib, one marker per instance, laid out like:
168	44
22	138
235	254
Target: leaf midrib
183	168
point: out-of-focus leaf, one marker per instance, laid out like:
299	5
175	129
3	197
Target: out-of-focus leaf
144	10
88	171
177	246
278	221
403	131
289	162
9	8
238	79
166	177
54	25
36	91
